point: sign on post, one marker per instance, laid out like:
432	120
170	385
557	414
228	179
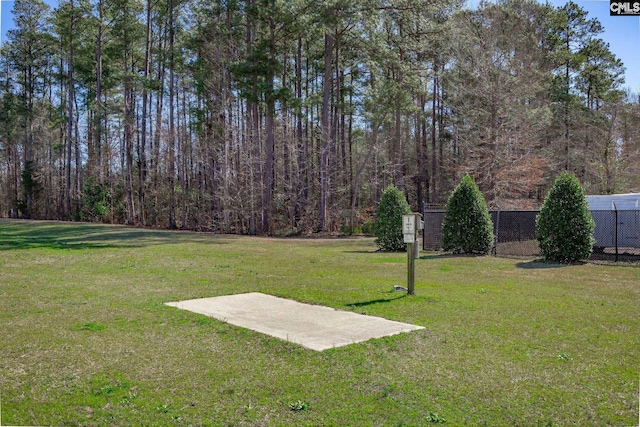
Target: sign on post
409	228
410	225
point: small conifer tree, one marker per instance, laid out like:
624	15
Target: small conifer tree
388	226
467	226
564	226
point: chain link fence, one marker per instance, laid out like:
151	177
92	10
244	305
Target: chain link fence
617	233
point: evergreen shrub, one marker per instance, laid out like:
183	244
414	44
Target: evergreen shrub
95	201
564	226
467	227
388	225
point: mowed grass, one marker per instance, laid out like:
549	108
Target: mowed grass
87	340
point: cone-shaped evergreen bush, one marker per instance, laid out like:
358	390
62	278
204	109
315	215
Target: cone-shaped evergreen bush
467	226
564	226
389	220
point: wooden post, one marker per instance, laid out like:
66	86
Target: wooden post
411	269
411	224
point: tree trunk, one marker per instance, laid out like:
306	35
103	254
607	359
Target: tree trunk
70	104
301	184
434	158
269	161
172	131
142	154
97	133
326	132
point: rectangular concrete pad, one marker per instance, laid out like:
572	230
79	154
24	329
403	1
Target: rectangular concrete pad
311	326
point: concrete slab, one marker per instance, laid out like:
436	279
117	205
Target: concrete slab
311	326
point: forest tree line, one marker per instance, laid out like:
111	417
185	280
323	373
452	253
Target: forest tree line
292	116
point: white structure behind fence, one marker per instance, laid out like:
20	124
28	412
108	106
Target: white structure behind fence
617	219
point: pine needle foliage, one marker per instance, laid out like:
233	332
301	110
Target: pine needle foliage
393	204
467	227
564	226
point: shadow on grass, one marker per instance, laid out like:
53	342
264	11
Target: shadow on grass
376	251
540	264
24	234
439	256
375	301
448	255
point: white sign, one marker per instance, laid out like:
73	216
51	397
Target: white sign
409	238
408	226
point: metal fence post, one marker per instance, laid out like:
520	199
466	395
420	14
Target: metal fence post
615	215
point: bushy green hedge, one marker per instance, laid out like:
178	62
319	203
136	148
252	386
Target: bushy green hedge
388	226
467	226
95	201
564	226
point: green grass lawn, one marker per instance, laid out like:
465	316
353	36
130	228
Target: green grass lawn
86	340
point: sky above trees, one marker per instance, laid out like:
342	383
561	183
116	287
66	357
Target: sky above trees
623	35
621	32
